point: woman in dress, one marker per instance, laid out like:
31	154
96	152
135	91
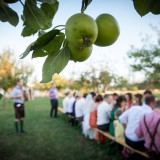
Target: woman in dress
93	116
86	111
121	103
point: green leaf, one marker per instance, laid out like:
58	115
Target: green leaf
55	64
26	52
142	6
10	1
34	16
22	18
50	9
39	53
1	95
155	7
45	38
41	32
47	1
7	14
145	6
40	42
53	46
85	4
28	31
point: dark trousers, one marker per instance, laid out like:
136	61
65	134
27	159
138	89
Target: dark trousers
136	145
54	106
103	127
79	119
73	120
19	110
153	155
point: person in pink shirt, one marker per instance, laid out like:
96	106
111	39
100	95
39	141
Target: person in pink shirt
149	128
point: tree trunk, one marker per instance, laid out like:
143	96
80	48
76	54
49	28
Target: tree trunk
104	89
97	88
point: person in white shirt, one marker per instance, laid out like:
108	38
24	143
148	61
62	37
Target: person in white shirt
130	119
66	100
70	104
103	113
80	101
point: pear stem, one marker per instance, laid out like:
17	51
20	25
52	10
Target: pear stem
59	26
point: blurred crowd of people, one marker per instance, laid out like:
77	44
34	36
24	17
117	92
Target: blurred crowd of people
134	119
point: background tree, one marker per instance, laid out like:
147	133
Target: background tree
147	61
105	78
120	82
61	83
10	70
41	86
95	78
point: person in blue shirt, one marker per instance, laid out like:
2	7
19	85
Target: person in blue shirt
53	94
18	100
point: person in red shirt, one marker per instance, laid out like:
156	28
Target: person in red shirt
93	114
93	117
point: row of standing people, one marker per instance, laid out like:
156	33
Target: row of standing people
134	121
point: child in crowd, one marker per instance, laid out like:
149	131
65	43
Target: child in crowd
119	131
118	127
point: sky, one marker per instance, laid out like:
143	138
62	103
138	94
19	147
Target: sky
132	28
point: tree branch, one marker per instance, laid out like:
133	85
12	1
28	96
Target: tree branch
21	2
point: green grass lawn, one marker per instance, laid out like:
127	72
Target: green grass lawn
158	96
46	138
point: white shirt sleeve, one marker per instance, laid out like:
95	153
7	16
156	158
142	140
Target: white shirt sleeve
65	105
124	117
13	93
82	108
108	110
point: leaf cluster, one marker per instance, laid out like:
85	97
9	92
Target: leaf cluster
51	44
37	17
37	14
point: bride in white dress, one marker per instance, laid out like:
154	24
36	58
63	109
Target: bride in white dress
86	129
